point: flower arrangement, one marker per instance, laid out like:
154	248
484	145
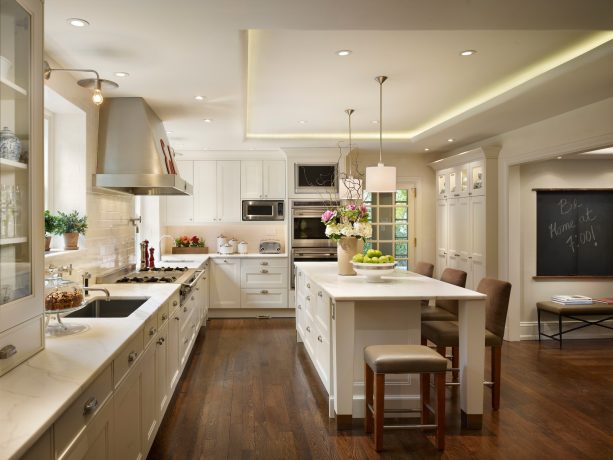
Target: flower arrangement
187	242
348	220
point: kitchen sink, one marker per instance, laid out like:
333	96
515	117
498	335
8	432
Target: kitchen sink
116	307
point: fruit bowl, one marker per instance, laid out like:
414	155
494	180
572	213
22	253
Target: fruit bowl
374	272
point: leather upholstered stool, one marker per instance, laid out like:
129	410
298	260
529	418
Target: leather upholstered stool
403	359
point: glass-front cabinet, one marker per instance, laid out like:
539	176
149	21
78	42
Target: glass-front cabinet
21	177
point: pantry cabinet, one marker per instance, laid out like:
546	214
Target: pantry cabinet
21	179
466	214
263	179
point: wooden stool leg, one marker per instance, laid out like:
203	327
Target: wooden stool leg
368	397
425	398
455	362
424	341
379	410
496	361
440	411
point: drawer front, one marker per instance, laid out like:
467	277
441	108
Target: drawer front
127	357
188	326
264	298
150	329
310	332
256	264
173	302
322	311
264	277
20	342
322	357
81	412
163	314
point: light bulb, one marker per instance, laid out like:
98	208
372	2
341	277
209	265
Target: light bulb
97	97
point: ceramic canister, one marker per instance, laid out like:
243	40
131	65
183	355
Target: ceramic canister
10	145
243	247
221	240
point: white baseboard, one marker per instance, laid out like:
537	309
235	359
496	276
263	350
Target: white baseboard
251	313
529	330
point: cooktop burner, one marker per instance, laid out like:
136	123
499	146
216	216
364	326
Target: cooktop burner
147	279
164	269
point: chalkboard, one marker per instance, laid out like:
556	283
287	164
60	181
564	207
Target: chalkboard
574	234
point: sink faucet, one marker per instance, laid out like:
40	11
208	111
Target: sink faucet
162	239
106	291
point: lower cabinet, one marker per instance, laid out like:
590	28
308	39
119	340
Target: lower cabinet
96	441
225	288
173	363
128	407
150	414
162	380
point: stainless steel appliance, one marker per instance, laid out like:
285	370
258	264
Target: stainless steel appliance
308	231
316	177
270	247
263	210
310	255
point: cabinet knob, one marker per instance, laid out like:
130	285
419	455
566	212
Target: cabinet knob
320	294
308	298
184	309
193	298
161	340
264	263
132	357
320	339
175	303
177	318
299	307
264	291
90	406
152	331
7	351
164	317
186	340
263	271
308	328
309	285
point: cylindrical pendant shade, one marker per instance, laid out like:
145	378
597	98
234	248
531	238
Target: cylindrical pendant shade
381	178
350	188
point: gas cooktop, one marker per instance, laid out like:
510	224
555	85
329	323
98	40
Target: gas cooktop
156	275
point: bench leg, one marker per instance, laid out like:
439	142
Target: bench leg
538	320
496	359
368	397
379	410
560	329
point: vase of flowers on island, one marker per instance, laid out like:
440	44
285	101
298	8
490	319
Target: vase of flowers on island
189	245
347	225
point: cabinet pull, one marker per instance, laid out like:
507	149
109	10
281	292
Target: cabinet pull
161	340
457	255
193	298
308	298
90	406
456	194
175	303
309	285
264	263
263	270
177	318
152	331
225	261
132	357
308	328
186	340
7	351
320	339
299	307
184	309
320	294
264	291
164	317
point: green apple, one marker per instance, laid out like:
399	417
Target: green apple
366	260
359	258
378	253
390	259
374	260
371	252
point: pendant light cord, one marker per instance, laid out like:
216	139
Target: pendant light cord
349	112
381	79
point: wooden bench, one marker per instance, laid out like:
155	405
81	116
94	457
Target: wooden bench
574	312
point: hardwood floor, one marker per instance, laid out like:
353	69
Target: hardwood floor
250	391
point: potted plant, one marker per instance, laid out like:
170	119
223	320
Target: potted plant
71	225
189	245
50	228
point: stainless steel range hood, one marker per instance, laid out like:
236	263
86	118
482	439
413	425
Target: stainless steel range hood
130	155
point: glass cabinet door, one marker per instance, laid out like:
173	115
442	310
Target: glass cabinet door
15	135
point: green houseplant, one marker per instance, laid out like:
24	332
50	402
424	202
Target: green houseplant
71	225
50	228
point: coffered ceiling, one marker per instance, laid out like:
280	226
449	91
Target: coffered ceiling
271	77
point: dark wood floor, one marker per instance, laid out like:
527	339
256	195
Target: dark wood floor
250	392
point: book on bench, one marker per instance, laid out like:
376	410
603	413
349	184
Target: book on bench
572	299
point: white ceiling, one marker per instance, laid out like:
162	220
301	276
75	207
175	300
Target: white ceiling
263	66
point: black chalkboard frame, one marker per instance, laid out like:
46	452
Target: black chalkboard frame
571	277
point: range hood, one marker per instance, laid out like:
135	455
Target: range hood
133	156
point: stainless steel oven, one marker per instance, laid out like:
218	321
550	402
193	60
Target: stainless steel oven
311	255
308	231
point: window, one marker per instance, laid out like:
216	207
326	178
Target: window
392	220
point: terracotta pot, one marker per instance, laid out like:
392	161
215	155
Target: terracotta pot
48	243
347	248
71	240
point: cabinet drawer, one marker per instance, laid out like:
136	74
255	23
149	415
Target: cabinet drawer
264	298
163	314
150	329
81	412
127	357
322	310
21	342
265	262
264	277
322	357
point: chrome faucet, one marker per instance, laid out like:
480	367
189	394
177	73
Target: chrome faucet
106	291
160	244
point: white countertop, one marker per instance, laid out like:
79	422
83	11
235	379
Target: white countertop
195	260
35	393
401	285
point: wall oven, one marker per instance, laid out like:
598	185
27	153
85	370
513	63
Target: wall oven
308	231
262	210
315	178
310	255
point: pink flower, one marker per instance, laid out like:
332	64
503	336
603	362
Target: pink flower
351	207
363	209
328	216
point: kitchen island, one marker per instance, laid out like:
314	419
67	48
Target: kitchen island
337	316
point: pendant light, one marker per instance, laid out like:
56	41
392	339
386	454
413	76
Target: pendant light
381	178
351	187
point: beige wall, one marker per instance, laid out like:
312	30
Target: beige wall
109	241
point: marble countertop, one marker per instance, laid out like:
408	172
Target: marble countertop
401	285
195	260
34	394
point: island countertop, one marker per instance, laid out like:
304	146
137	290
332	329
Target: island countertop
401	285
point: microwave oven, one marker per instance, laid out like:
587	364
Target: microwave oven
316	177
263	210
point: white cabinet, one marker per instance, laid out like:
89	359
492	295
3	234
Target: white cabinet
128	409
150	413
173	363
202	296
21	194
263	179
442	225
180	209
42	449
226	282
205	191
162	380
228	191
264	283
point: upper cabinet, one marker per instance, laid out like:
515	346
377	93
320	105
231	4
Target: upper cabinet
263	179
180	209
21	179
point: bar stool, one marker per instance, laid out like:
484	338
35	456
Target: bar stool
403	359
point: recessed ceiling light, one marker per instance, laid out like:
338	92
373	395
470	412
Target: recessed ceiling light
302	122
450	140
343	52
427	149
468	52
375	122
169	132
208	120
559	158
76	22
122	74
199	98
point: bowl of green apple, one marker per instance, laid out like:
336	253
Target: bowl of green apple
373	265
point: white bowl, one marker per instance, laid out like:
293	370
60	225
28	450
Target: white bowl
374	272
